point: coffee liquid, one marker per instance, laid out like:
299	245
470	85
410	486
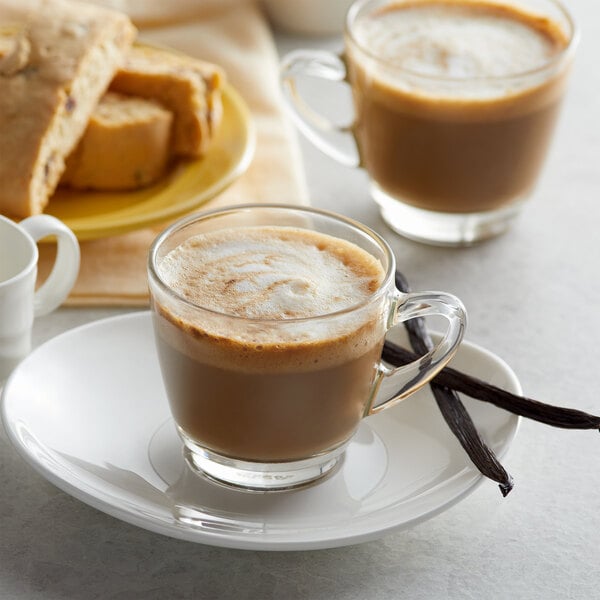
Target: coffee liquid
269	386
441	124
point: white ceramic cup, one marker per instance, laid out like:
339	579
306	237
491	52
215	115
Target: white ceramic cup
20	302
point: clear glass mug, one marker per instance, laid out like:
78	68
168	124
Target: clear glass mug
451	160
272	404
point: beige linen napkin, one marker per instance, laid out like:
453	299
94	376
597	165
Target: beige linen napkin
236	36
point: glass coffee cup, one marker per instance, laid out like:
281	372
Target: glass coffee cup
455	104
269	322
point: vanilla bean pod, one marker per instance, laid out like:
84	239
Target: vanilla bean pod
556	416
452	408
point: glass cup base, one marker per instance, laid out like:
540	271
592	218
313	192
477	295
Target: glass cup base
260	476
443	229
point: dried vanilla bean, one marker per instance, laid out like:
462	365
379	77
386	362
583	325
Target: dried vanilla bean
556	416
452	409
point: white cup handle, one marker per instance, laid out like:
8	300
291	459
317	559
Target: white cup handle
64	272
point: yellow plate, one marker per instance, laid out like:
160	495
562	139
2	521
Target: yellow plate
189	185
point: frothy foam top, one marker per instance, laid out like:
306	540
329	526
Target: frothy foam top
459	39
271	272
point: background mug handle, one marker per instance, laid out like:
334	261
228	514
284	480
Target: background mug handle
322	65
64	272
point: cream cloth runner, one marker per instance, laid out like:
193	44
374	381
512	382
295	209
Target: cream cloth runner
236	36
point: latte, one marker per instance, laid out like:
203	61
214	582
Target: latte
261	376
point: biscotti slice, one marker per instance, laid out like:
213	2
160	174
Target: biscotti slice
60	65
190	88
125	146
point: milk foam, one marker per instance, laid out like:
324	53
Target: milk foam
457	40
271	272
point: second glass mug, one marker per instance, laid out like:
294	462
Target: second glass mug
271	404
451	160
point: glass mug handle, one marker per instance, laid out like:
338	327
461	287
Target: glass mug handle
323	65
395	384
66	265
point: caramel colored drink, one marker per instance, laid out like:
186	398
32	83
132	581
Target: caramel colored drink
441	145
242	383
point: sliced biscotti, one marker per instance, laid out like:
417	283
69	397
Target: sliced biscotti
190	88
58	68
126	145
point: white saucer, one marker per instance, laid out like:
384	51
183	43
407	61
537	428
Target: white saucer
87	410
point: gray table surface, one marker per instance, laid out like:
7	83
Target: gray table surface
532	297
